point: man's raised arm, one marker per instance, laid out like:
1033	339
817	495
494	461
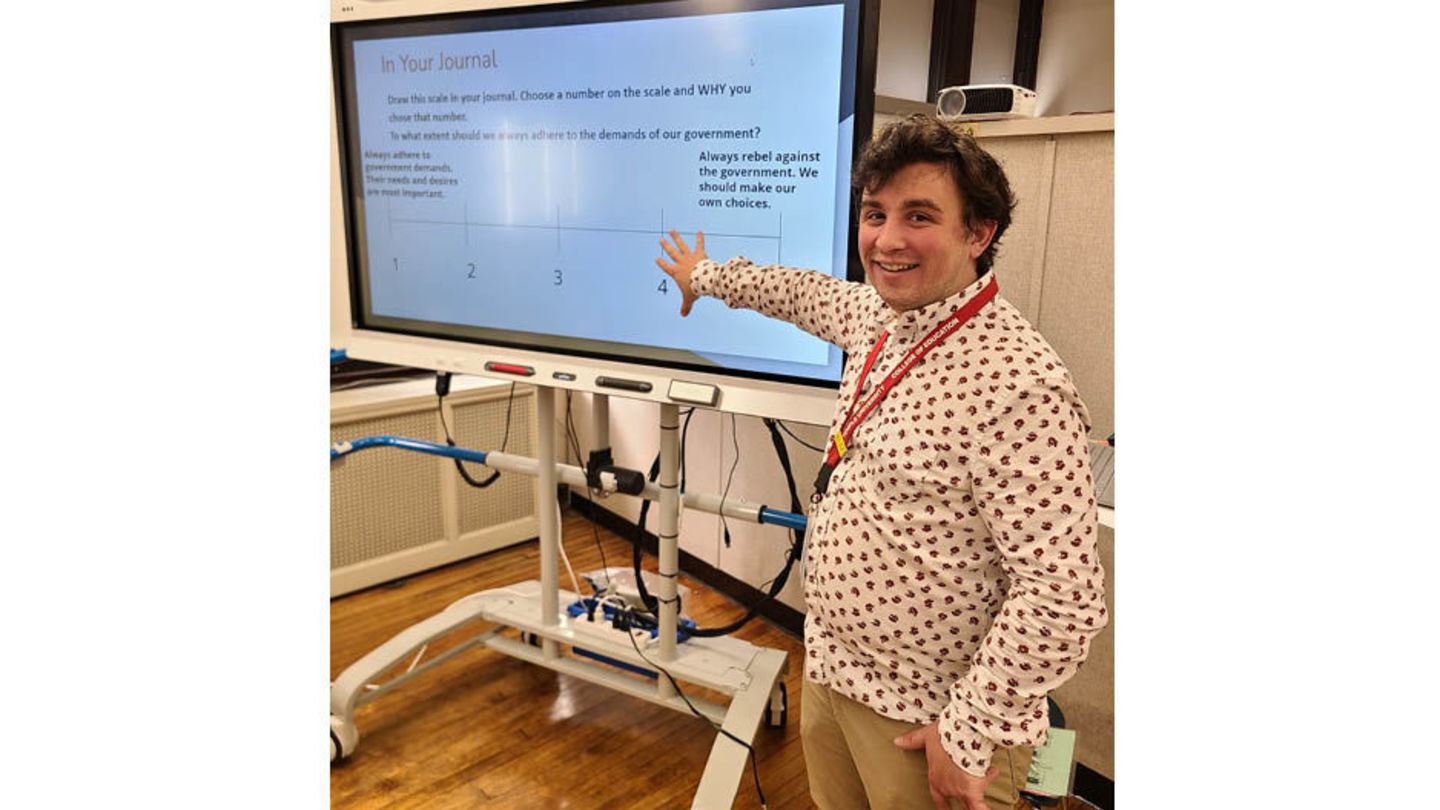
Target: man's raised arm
827	307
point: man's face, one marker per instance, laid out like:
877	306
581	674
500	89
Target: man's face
913	241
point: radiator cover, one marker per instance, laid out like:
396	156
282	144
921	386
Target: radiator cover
393	512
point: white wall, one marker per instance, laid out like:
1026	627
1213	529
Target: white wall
1076	72
992	55
902	66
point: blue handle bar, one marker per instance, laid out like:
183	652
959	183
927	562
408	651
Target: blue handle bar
789	520
345	448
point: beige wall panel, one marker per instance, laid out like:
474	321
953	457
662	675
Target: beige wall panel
702	463
1088	699
1020	259
1077	296
757	552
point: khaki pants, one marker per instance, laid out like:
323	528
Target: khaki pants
853	763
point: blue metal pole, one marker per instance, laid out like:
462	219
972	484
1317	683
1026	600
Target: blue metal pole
789	520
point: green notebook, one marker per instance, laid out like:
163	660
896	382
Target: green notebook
1050	768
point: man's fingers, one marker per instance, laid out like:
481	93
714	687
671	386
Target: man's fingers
940	803
679	254
911	740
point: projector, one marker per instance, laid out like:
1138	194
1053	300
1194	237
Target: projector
979	102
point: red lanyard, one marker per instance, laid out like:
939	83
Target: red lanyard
917	353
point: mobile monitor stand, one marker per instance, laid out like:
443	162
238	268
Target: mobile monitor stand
578	645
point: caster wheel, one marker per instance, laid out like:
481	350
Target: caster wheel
343	739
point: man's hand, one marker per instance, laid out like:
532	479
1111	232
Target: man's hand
684	264
946	778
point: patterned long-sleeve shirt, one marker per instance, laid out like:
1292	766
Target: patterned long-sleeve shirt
952	570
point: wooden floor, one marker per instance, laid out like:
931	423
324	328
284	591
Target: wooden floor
487	730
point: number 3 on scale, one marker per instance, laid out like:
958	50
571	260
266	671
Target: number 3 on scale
559	277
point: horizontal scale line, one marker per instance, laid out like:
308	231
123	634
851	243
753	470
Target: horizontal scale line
571	228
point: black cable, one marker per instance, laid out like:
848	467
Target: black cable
442	387
684	433
784	455
573	437
734	442
797	438
754	769
651	603
792	554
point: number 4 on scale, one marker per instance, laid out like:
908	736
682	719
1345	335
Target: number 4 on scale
664	287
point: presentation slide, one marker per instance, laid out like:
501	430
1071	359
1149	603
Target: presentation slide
521	179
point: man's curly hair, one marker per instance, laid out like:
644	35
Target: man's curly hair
984	192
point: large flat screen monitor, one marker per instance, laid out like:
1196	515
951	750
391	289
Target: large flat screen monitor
505	171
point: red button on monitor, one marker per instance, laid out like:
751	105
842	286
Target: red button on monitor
510	368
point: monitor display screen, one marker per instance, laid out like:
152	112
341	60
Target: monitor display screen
508	174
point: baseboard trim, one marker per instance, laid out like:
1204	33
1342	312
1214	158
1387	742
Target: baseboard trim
787	618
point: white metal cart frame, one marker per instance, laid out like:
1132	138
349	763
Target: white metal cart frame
750	674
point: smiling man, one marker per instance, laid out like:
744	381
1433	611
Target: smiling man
952	579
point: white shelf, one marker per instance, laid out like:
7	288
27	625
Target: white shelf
1055	125
408	389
